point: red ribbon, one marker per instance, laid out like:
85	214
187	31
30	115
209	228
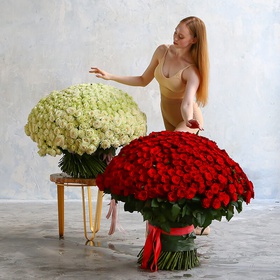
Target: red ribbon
153	244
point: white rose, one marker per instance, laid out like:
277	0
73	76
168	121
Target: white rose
59	140
74	133
105	144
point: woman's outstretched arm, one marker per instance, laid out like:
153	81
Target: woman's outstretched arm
142	80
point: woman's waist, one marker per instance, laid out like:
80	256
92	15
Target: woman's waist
171	95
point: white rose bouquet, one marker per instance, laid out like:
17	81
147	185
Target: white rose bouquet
86	123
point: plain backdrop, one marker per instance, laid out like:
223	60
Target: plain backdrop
50	45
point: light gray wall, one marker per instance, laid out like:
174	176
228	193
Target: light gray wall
50	45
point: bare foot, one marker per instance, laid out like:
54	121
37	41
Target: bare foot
198	231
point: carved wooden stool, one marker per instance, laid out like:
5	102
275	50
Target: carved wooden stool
63	180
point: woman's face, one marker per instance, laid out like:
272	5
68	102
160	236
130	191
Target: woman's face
182	36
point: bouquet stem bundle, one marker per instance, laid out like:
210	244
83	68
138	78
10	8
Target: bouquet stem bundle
174	260
175	250
85	165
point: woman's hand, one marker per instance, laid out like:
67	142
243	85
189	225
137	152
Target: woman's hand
194	124
100	73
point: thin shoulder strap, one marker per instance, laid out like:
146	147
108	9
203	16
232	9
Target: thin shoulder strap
163	57
187	67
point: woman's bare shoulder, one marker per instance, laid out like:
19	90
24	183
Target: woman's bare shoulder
160	50
191	73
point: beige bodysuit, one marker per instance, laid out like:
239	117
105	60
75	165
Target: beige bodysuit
172	91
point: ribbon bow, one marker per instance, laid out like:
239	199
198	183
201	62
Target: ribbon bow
153	244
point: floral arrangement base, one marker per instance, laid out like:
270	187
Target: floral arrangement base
175	250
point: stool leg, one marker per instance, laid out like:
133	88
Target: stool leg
90	209
98	210
84	216
95	225
60	206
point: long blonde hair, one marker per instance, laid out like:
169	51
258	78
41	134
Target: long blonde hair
199	52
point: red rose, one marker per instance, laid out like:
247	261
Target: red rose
140	160
210	158
224	197
167	188
220	161
240	189
215	188
222	179
216	203
171	171
234	197
187	178
212	171
203	169
231	188
190	193
172	196
198	178
175	179
174	187
198	162
201	188
143	177
165	179
209	194
143	195
180	172
208	176
250	186
183	157
160	165
206	203
148	164
152	172
181	193
248	196
209	183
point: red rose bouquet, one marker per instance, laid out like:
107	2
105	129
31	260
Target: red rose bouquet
177	181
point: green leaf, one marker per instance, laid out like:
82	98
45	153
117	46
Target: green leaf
196	199
175	210
182	201
139	205
199	217
155	203
229	214
147	215
165	227
184	211
128	206
239	209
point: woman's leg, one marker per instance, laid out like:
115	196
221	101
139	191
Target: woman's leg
168	126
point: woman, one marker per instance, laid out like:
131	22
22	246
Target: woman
181	70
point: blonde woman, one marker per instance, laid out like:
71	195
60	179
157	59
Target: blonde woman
182	71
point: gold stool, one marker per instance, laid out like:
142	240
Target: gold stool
63	180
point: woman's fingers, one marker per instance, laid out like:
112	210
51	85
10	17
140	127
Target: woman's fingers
194	124
94	70
98	73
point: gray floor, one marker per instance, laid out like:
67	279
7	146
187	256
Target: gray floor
248	247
